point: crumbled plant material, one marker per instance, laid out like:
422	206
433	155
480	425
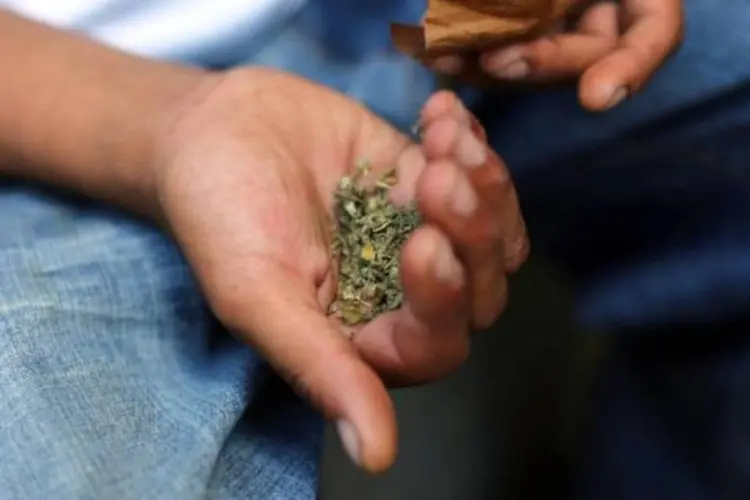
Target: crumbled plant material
367	239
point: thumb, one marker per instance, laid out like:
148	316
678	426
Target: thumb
287	326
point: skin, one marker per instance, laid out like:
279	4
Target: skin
239	167
613	49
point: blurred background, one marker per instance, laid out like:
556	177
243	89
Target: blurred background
505	427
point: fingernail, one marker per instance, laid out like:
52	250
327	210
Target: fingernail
502	58
617	97
470	151
349	440
514	71
447	64
464	201
508	64
447	268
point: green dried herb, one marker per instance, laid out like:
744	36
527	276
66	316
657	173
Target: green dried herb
367	241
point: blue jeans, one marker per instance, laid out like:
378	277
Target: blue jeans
117	382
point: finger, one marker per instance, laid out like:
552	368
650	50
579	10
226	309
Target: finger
287	326
448	65
495	185
443	104
453	134
654	29
428	337
447	199
559	56
409	166
458	135
412	162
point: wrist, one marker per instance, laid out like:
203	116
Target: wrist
84	117
141	153
195	117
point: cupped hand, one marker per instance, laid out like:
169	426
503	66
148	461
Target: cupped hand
245	182
614	47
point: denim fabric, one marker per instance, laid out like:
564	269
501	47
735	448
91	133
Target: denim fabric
671	417
647	208
117	383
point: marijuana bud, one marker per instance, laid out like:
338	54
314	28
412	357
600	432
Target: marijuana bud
368	234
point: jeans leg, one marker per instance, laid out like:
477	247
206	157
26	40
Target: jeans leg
672	418
647	208
116	381
656	233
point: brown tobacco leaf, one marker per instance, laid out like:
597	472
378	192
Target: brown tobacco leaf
368	234
467	27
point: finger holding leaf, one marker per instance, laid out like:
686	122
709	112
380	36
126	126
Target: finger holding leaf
612	47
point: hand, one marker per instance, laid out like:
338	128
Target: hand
614	48
245	182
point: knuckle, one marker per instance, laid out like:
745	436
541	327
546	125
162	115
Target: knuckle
482	239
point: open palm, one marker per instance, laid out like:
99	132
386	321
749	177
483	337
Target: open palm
248	177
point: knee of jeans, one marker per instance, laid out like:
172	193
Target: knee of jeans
81	264
83	280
